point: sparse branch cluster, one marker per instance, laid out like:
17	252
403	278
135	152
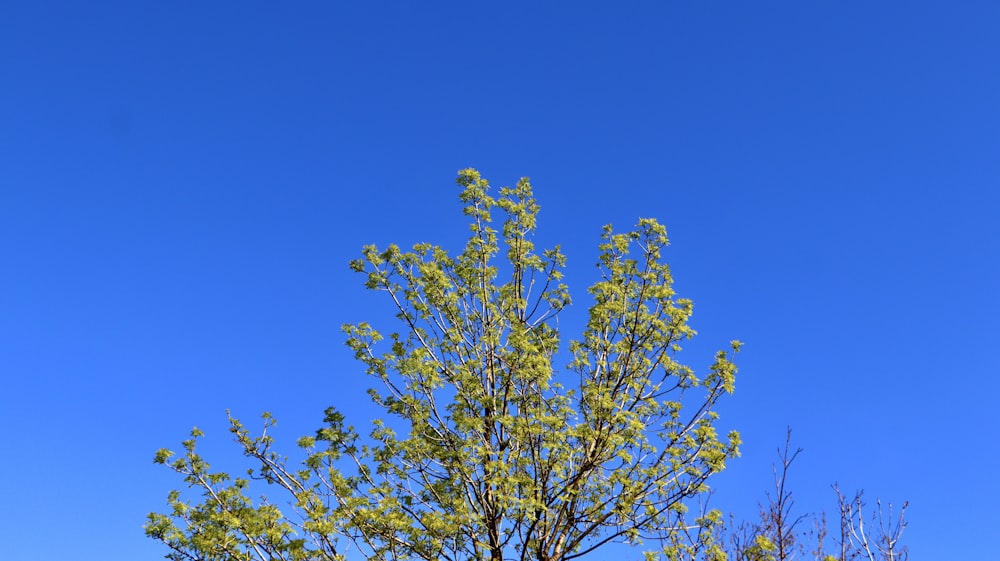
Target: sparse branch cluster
778	535
878	539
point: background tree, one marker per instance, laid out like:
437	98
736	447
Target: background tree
775	535
878	540
489	450
778	534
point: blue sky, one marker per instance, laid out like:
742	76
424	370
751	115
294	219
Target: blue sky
183	184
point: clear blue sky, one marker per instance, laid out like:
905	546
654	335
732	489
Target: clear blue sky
182	185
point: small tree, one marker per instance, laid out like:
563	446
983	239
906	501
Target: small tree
778	521
490	450
775	535
880	539
778	536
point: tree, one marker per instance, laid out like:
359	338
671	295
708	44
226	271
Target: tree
778	536
778	522
880	540
489	450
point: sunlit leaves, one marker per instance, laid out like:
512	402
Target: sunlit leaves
490	447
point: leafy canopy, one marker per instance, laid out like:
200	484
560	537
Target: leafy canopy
488	450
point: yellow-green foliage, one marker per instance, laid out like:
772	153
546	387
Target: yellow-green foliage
490	448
